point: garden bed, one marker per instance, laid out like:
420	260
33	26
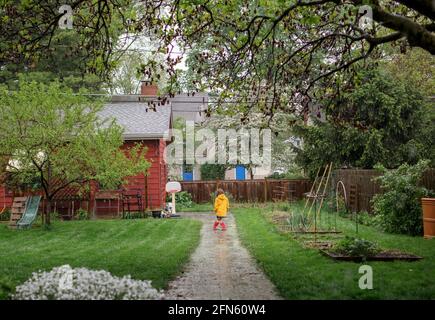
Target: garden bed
323	245
386	255
319	232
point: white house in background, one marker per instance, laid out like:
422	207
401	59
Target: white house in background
193	108
190	108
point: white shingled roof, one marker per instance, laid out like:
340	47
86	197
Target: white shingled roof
139	121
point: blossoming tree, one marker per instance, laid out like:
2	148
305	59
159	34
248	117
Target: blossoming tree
55	138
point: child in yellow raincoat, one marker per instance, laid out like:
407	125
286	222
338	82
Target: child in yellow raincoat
221	206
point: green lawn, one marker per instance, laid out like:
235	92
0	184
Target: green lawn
146	249
301	273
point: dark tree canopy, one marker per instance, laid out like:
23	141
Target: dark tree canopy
282	55
279	47
29	32
383	120
64	62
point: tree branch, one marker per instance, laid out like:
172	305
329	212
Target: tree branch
424	7
416	34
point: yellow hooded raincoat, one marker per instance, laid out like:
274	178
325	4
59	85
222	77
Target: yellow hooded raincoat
221	205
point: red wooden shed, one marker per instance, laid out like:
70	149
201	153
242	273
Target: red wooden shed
151	128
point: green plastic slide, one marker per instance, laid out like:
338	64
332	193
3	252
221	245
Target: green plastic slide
30	212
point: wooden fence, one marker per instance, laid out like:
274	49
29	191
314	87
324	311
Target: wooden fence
257	190
360	187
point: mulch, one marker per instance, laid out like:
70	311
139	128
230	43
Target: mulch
386	255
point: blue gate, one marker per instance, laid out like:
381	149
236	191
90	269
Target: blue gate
240	172
187	173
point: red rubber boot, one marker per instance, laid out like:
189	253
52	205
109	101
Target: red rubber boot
215	225
223	225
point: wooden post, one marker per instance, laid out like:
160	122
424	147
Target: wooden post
324	191
265	189
173	202
311	191
317	191
146	193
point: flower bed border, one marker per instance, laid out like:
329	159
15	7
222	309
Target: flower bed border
379	257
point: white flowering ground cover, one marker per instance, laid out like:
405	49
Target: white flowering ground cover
66	283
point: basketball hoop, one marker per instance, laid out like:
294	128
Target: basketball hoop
173	187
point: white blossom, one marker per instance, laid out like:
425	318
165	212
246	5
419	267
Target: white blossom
66	283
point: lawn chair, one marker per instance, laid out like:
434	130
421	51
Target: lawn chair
30	212
132	205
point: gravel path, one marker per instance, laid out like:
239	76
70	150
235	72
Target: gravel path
220	268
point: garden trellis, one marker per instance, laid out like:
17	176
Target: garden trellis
309	219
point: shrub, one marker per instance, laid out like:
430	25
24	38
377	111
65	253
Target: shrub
6	215
213	171
81	214
66	283
399	206
356	247
183	199
371	220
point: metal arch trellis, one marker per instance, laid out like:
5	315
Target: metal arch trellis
343	187
346	203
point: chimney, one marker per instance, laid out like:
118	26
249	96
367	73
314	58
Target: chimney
148	89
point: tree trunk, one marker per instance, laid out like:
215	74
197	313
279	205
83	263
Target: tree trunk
251	173
48	195
48	212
